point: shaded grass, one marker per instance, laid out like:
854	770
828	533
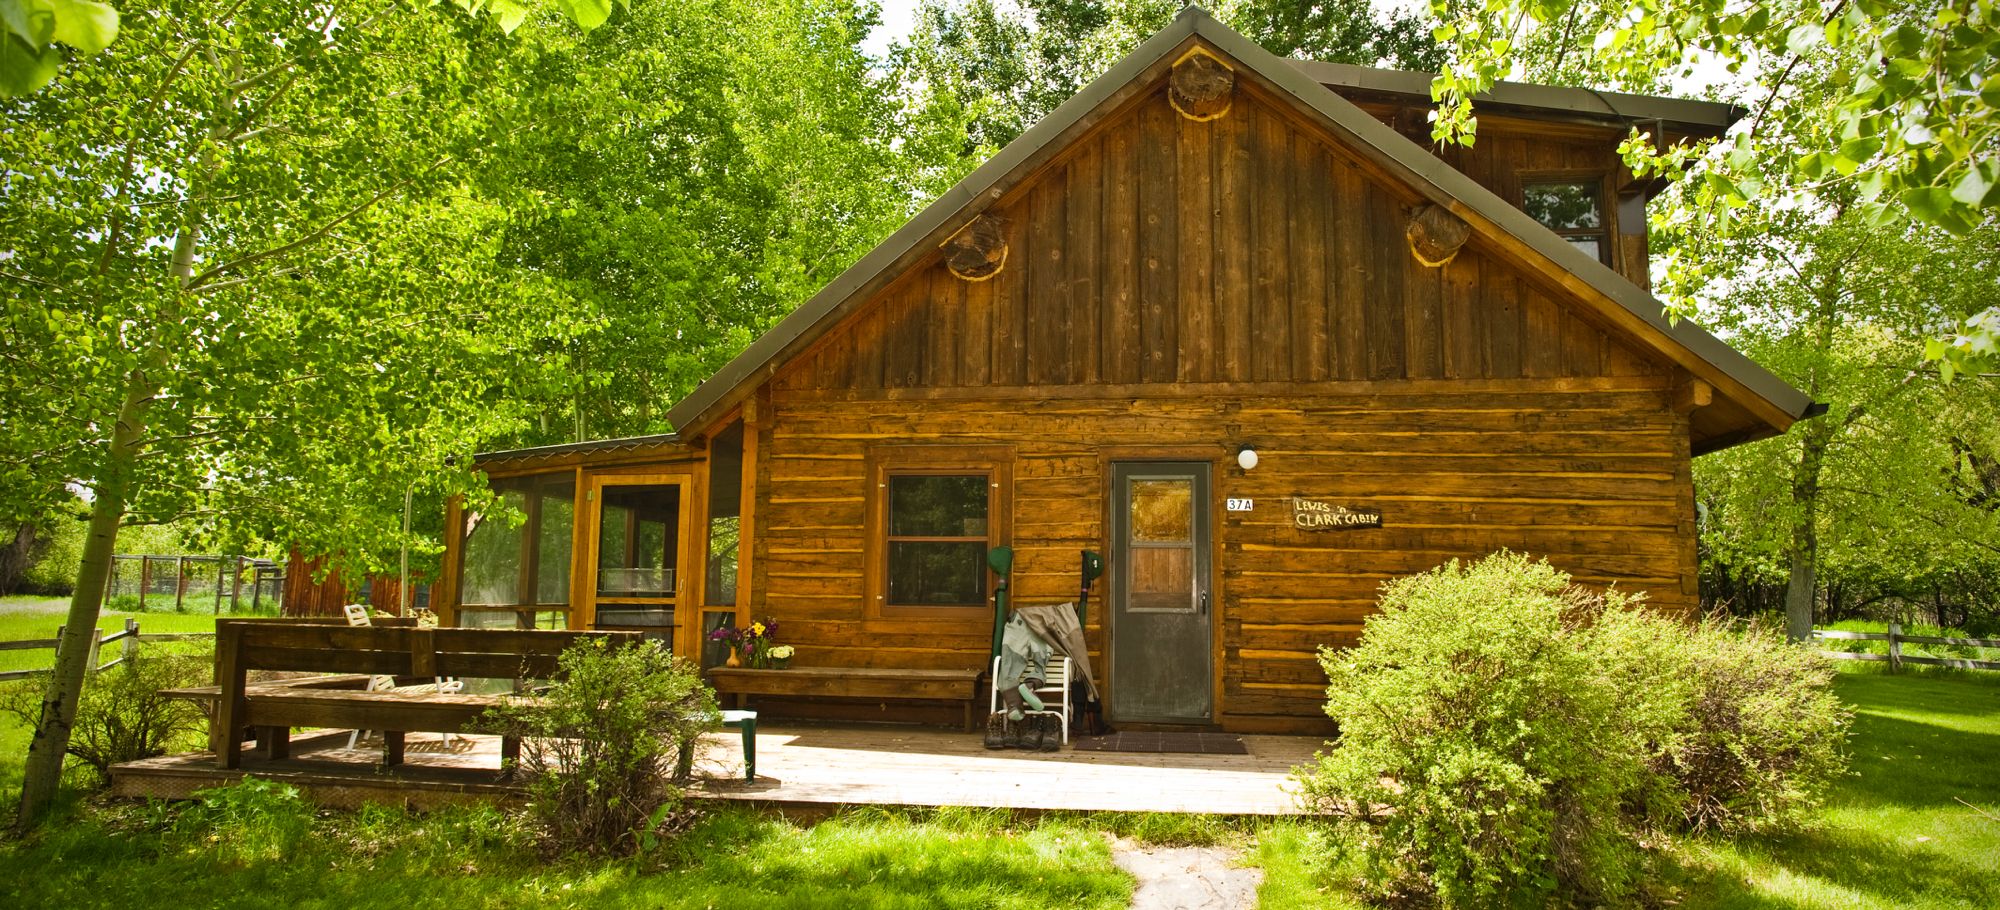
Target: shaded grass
477	858
1894	834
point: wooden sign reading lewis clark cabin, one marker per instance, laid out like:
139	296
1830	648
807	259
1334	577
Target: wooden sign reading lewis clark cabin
1313	515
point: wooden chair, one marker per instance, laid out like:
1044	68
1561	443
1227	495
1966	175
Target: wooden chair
1054	691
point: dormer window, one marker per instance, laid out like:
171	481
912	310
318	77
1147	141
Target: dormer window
1574	209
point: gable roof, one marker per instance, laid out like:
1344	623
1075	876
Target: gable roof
1773	403
1580	105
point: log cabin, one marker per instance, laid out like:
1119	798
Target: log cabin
1228	319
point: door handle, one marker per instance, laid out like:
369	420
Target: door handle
1201	603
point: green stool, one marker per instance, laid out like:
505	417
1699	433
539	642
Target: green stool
748	721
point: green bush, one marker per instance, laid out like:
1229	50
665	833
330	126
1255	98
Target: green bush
600	748
1760	732
1507	739
122	716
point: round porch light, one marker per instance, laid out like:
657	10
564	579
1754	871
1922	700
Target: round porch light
1246	458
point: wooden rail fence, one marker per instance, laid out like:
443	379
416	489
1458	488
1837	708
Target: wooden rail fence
1896	639
128	639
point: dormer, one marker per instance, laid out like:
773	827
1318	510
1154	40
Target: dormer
1550	150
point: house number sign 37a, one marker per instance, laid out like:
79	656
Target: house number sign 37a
1237	505
1313	515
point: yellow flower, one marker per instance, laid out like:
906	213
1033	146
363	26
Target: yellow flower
756	628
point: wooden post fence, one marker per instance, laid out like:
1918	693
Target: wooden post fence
128	639
1896	639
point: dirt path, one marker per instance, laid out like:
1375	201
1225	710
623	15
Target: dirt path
1187	878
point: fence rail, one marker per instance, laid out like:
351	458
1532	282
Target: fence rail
1896	639
128	639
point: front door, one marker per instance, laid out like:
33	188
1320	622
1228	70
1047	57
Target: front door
636	530
1161	620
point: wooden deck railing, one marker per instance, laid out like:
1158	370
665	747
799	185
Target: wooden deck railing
1896	639
128	639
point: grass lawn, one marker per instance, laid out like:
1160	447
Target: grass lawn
1895	833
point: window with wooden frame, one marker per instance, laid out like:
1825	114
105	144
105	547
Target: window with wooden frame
934	514
1573	207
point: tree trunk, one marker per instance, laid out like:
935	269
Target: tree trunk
1803	583
43	774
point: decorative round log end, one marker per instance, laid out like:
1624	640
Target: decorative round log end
1436	235
1202	86
979	250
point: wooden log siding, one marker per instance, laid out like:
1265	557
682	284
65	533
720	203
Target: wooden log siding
1195	286
1583	473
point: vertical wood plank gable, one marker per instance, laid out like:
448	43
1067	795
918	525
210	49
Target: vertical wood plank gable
1120	323
1085	212
1196	267
1048	306
1270	266
1350	270
1311	339
1159	239
1233	226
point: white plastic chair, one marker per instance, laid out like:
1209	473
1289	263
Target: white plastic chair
357	615
1054	692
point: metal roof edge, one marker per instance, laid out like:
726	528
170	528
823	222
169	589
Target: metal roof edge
565	448
1588	102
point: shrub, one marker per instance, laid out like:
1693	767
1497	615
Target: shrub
1508	739
122	716
252	820
1473	712
1760	735
600	747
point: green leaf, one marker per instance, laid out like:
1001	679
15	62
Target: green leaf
1926	202
1804	38
24	69
1978	181
587	13
33	26
85	25
1990	91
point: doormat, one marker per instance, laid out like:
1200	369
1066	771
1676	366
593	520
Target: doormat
1202	743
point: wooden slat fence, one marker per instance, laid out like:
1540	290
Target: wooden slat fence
1896	639
128	639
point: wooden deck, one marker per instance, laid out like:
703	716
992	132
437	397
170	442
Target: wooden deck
798	767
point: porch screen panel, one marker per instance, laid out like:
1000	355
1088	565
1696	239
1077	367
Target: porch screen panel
514	566
725	524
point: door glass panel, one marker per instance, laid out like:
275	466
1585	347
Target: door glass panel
637	541
1162	578
1163	510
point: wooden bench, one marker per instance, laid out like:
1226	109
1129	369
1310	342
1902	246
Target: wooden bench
852	682
272	709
